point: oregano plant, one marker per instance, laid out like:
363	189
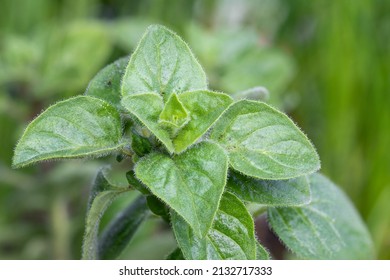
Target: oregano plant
197	159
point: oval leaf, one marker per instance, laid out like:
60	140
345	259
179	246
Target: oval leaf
264	143
291	192
147	107
164	64
205	107
327	228
77	127
106	84
232	235
191	183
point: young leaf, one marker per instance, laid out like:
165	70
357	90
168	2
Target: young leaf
327	228
264	143
291	192
120	231
102	195
163	64
106	84
205	107
147	107
191	183
232	235
174	114
77	127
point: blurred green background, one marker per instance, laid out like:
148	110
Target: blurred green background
326	63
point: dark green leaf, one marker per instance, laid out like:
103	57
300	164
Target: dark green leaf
106	84
264	143
136	184
232	235
191	183
261	252
78	127
291	192
120	231
327	228
176	255
163	64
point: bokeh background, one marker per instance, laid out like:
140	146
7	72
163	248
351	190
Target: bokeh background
325	63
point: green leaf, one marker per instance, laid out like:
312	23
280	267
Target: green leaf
191	183
176	255
291	192
121	230
77	127
136	184
102	195
147	107
232	235
106	84
264	143
163	64
261	252
327	228
205	107
174	114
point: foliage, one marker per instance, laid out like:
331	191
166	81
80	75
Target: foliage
186	141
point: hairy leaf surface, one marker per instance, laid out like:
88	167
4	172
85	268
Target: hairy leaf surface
231	236
264	143
291	192
163	64
191	183
103	193
147	107
77	127
327	228
205	107
106	85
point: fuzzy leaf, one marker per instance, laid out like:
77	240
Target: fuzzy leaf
103	193
205	107
261	252
106	84
264	143
231	236
174	114
191	183
120	231
163	64
77	127
291	192
327	228
147	107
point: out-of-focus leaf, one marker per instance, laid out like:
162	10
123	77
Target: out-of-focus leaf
328	227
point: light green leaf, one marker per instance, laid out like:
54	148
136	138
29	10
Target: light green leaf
261	252
264	143
106	84
327	228
191	183
291	192
205	107
232	235
121	230
147	107
102	195
163	64
174	114
77	127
